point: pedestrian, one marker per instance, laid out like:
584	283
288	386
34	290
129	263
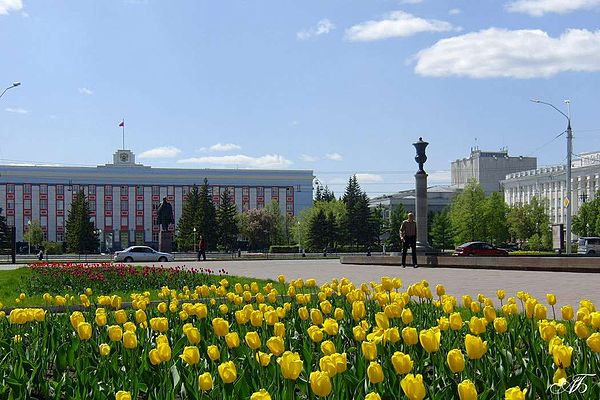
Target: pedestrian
408	235
202	249
41	255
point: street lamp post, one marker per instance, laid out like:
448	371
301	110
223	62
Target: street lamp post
29	239
194	239
14	85
567	200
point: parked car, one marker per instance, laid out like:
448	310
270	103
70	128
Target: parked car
142	253
479	249
589	246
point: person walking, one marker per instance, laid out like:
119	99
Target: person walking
408	235
202	249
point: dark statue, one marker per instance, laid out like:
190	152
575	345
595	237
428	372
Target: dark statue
165	215
420	157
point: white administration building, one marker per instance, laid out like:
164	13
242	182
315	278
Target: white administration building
124	196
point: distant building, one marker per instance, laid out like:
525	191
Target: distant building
549	185
124	196
488	168
438	197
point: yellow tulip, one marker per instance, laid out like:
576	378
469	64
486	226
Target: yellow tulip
191	355
562	356
122	395
76	318
559	377
205	382
227	372
475	347
252	340
409	336
500	325
358	310
477	325
540	312
372	396
263	358
593	342
455	321
340	361
159	324
279	329
154	357
551	298
328	348
338	314
104	349
220	326
407	316
430	339
290	364
359	333
140	316
489	313
232	339
262	394
320	383
567	312
84	330
101	319
276	345
193	335
547	330
330	326
402	363
316	316
413	387
303	313
115	333
515	393
581	330
315	333
256	318
327	364
456	360
369	350
375	372
213	352
120	317
164	352
129	340
466	390
500	293
391	335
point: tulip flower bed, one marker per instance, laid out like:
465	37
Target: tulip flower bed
337	341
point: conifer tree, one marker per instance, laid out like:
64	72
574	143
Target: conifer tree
5	238
397	215
441	233
187	221
317	231
227	223
81	236
206	218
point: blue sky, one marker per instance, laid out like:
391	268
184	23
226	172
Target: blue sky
336	86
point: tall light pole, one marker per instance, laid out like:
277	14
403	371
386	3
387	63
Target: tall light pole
29	239
567	201
194	239
14	85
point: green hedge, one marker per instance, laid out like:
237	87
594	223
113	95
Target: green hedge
284	249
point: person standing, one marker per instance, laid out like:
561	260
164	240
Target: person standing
202	249
408	235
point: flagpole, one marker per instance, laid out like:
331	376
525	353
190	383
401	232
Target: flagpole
123	122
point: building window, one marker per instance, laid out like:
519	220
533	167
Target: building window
139	221
139	205
155	205
27	188
124	221
260	191
124	190
44	221
60	220
60	205
139	190
43	204
92	189
10	220
108	205
155	236
124	206
155	190
107	190
43	189
10	188
92	205
27	204
10	204
75	188
171	191
108	221
60	237
60	189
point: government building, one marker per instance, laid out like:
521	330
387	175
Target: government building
124	196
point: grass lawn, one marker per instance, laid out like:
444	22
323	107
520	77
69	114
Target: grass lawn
14	282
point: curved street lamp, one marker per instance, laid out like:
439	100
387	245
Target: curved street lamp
14	85
567	200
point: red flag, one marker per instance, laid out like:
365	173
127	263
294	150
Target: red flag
122	124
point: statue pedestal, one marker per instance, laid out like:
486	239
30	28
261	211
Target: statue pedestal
421	208
165	241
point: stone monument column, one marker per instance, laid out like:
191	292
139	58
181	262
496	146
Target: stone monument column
421	207
164	219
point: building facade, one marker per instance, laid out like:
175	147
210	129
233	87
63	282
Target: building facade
124	196
438	198
549	185
488	168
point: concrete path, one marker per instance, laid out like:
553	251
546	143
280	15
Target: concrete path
568	287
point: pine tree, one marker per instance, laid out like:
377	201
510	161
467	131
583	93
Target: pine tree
441	231
206	218
317	232
331	230
318	194
397	215
352	222
81	236
327	195
5	237
187	221
227	225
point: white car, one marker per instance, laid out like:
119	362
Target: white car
142	254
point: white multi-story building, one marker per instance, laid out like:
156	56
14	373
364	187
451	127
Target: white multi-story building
549	185
124	196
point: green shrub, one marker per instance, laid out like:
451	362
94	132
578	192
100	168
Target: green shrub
53	247
284	249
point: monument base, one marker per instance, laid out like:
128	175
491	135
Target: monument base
425	248
165	241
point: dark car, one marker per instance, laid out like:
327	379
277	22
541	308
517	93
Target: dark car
479	249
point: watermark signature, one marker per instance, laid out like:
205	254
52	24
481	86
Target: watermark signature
576	384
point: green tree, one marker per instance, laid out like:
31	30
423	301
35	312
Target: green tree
256	226
467	214
317	232
81	236
277	221
358	225
335	211
441	233
34	234
206	217
530	221
5	237
397	215
495	213
227	223
188	220
585	223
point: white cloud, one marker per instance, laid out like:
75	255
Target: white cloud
396	24
268	161
224	147
7	6
369	178
494	53
537	8
334	156
161	152
323	27
308	158
16	110
85	91
455	11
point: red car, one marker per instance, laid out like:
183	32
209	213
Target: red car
479	249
